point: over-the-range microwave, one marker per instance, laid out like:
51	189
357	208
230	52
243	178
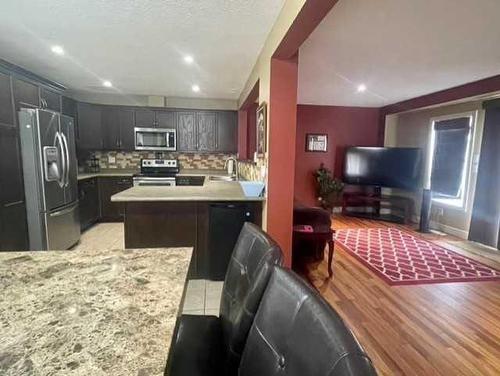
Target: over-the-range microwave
155	139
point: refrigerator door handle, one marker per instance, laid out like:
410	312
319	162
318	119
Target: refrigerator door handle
59	144
66	154
62	212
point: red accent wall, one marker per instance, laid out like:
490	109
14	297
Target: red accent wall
345	126
281	153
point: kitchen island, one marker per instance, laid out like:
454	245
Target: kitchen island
89	313
207	218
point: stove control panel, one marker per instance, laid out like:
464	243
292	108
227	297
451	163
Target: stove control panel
166	163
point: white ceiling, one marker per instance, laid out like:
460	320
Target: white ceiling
139	45
399	49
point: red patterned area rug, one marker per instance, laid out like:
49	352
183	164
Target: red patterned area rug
402	259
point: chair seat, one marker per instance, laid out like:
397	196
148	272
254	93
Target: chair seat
198	347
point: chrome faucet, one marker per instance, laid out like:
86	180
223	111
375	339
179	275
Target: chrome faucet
235	167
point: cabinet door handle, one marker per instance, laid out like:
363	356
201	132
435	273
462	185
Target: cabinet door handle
13	203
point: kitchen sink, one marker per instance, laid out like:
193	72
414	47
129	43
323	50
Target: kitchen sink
252	188
221	178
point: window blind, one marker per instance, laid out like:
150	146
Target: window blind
450	146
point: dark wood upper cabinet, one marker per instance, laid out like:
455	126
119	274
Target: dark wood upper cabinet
103	127
227	131
110	128
26	94
186	131
89	127
207	131
68	107
126	121
118	128
6	105
50	99
145	118
165	119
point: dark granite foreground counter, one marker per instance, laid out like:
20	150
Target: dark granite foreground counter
89	313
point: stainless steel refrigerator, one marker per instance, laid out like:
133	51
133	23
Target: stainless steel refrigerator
50	178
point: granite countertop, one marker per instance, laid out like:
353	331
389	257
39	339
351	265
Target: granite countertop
89	313
198	172
106	173
210	191
127	173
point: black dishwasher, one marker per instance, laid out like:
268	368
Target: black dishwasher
225	223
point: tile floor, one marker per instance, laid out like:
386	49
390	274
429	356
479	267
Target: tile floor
202	296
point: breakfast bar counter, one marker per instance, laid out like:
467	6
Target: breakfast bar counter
208	218
89	313
209	191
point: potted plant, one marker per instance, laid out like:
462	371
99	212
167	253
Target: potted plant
328	188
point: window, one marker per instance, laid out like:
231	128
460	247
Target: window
450	149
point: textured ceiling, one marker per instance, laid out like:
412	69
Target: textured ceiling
399	49
139	44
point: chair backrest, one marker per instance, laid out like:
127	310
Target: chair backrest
297	333
251	265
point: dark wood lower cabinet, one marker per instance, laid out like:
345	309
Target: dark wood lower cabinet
202	225
94	197
13	224
88	195
109	186
13	227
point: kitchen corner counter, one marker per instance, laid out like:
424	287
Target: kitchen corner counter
210	191
111	173
89	313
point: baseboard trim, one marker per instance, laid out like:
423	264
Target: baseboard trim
450	230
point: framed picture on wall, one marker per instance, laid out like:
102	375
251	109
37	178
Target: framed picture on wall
317	142
261	128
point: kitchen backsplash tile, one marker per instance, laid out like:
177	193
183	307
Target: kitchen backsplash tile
253	171
130	160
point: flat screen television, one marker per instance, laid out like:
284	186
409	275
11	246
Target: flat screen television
384	167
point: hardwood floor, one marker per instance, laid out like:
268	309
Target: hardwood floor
436	329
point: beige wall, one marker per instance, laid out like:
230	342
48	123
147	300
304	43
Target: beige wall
262	72
262	69
156	101
412	129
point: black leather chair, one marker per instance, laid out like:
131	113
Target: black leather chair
297	333
210	345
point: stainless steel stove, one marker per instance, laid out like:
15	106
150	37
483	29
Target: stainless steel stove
157	172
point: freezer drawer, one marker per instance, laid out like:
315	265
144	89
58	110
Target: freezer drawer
63	227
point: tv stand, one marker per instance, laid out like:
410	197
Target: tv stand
372	203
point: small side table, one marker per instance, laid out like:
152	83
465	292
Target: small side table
308	235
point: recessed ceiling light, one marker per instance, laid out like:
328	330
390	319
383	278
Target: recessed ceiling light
188	59
58	50
107	83
195	88
361	88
